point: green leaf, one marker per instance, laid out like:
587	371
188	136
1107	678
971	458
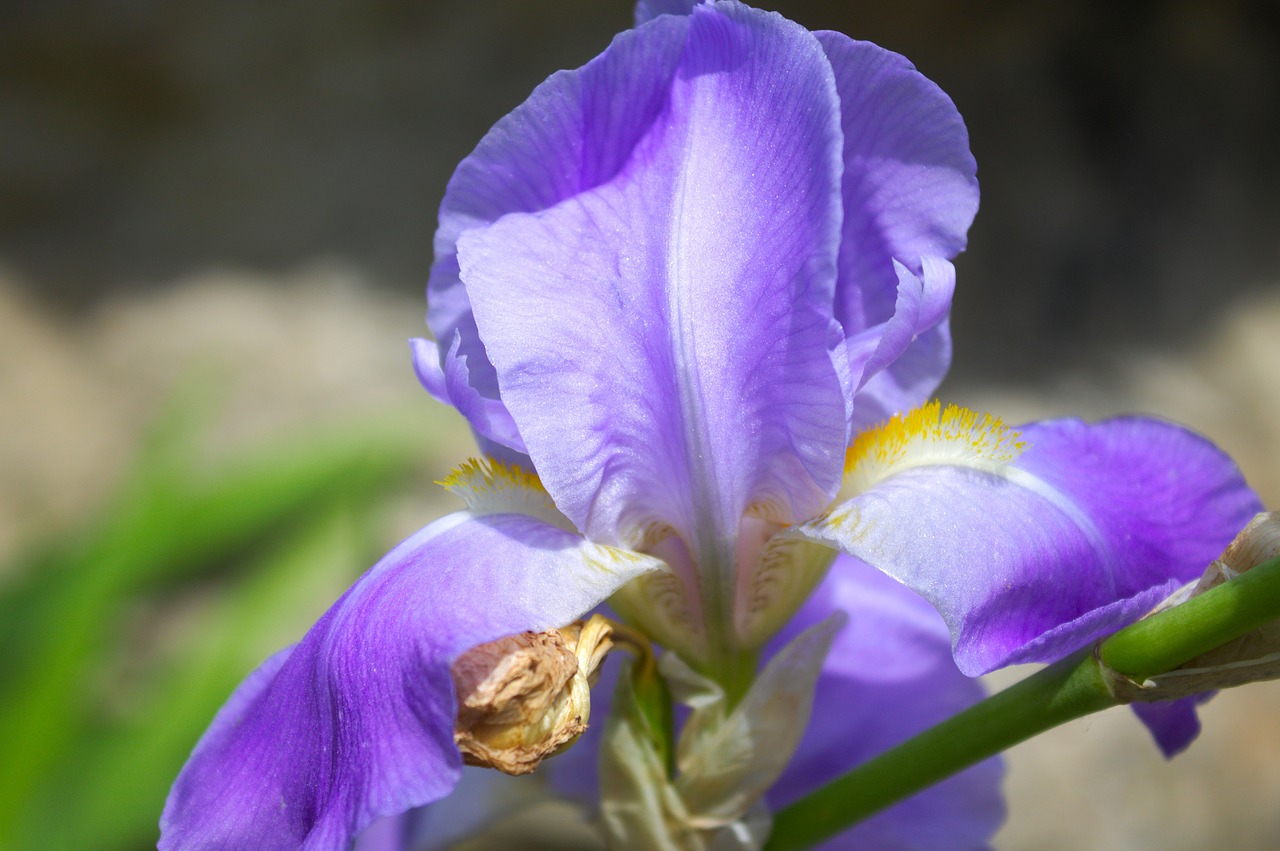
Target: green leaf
113	781
168	525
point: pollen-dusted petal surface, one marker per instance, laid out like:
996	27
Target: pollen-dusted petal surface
357	721
1028	559
665	340
888	676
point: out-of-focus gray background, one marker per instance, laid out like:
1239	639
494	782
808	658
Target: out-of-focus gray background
253	187
1126	152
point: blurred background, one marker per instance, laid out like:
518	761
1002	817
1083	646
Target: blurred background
215	229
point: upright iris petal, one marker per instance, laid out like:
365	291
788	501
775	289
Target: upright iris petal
681	313
716	266
910	193
574	133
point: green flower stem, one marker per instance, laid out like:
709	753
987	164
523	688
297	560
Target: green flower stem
650	692
1162	642
1067	690
1070	689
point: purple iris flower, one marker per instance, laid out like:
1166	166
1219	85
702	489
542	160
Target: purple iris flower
675	292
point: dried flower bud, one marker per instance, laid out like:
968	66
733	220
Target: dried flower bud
525	697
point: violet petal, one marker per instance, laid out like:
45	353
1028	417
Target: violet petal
356	722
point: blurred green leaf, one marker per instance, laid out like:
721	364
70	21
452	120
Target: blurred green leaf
118	777
172	523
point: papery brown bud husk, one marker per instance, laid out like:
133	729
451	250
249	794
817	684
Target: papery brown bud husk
525	697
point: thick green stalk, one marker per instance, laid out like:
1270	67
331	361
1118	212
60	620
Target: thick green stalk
1162	642
1070	689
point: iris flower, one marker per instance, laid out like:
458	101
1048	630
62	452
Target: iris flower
692	299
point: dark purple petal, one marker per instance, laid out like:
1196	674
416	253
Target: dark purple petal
575	131
356	722
1082	534
1172	723
910	191
664	341
889	675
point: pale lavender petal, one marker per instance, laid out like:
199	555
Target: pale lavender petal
908	381
910	191
356	722
1082	534
679	315
922	302
494	429
888	676
575	131
647	10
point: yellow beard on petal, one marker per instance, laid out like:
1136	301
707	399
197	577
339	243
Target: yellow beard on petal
928	436
492	487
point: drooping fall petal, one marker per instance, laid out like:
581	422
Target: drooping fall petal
357	721
1030	556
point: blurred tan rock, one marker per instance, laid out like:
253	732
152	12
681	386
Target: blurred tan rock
1225	386
276	352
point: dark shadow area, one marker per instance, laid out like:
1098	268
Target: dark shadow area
1125	150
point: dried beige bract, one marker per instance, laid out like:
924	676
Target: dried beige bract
525	697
